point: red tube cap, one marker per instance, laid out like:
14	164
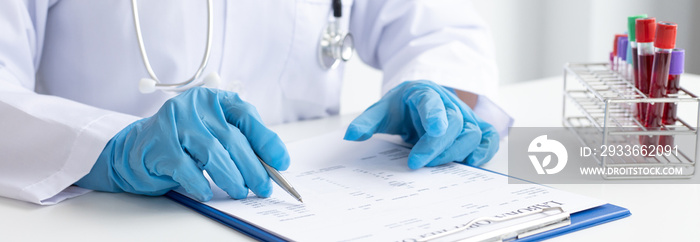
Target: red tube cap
617	39
644	29
665	35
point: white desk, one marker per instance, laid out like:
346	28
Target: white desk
659	212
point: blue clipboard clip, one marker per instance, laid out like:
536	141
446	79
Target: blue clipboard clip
552	221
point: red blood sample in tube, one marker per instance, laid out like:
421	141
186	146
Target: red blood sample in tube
635	72
664	42
645	29
674	78
669	115
657	89
646	62
670	109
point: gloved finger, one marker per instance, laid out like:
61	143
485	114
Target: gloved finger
211	156
428	106
467	112
429	147
464	145
263	141
489	142
371	121
250	168
487	148
180	167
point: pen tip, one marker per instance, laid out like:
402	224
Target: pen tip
301	200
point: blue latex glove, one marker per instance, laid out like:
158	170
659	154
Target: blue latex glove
200	129
439	125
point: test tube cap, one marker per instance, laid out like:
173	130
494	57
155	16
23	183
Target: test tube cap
631	22
622	47
677	62
645	29
615	42
665	35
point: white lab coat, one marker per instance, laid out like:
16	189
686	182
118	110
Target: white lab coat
69	69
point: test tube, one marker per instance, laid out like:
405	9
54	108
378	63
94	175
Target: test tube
615	60
664	42
674	78
622	56
629	73
674	75
632	47
645	30
632	57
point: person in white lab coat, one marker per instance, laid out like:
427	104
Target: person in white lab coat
71	112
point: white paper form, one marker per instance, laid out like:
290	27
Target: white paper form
364	191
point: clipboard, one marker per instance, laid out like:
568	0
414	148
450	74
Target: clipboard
562	225
540	225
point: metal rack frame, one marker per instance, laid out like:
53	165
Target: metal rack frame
605	101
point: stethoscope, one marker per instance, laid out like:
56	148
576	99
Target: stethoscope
334	46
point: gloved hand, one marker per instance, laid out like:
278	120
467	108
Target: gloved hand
439	125
200	129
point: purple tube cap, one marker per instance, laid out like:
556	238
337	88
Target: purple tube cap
622	47
677	62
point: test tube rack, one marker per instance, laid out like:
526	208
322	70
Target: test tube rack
599	108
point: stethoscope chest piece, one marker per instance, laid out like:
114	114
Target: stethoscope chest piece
335	45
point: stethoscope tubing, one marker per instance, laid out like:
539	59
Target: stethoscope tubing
148	85
144	54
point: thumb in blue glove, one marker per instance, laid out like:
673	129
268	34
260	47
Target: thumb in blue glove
439	125
199	130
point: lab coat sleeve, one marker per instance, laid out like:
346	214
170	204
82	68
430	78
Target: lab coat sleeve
444	41
46	142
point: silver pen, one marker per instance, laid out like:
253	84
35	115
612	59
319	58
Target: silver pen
279	179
